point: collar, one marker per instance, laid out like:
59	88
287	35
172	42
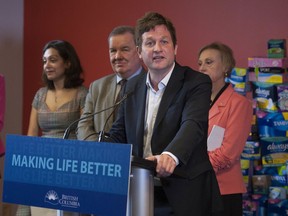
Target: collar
119	78
163	83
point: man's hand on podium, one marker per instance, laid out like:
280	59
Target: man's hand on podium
165	164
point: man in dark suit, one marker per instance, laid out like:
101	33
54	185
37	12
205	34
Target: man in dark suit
103	92
166	120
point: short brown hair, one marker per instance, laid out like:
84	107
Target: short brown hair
226	54
149	21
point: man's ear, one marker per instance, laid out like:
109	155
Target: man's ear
175	49
139	51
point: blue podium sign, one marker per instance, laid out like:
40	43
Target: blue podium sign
69	175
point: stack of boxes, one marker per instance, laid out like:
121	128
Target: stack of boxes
265	156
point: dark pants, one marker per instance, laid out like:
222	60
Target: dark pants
161	205
232	205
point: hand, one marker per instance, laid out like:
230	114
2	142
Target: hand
165	164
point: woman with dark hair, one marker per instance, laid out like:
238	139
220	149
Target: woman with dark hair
61	101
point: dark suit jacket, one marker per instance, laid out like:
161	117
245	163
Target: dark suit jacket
180	128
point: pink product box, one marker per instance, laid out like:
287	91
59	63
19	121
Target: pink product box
267	62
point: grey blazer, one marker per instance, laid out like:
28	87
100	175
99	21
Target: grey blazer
101	95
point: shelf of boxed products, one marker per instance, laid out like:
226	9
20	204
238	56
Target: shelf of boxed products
265	156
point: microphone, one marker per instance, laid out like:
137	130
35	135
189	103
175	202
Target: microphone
69	128
102	132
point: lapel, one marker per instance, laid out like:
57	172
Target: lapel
141	95
111	90
174	84
107	90
221	102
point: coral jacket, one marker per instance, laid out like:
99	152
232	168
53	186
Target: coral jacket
233	112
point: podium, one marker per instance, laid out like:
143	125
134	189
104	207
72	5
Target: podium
69	175
141	193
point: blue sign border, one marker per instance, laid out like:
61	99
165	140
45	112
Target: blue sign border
70	175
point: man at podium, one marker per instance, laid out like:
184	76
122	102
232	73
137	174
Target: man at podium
166	120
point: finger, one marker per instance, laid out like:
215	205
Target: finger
151	158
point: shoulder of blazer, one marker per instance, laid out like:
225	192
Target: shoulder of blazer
227	95
137	79
189	75
104	81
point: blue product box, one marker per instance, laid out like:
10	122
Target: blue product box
238	79
277	207
261	201
272	124
251	150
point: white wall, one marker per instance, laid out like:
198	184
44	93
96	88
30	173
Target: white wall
11	62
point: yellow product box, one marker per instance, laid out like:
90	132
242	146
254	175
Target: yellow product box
274	151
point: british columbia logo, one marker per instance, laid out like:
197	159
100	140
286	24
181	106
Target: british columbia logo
65	200
51	197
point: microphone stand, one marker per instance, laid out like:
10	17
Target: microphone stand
102	132
69	128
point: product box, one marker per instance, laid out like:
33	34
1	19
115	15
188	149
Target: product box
238	78
274	78
276	48
282	94
255	62
260	170
277	207
274	151
251	150
272	124
279	181
261	184
261	202
250	207
276	70
245	168
265	95
277	192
